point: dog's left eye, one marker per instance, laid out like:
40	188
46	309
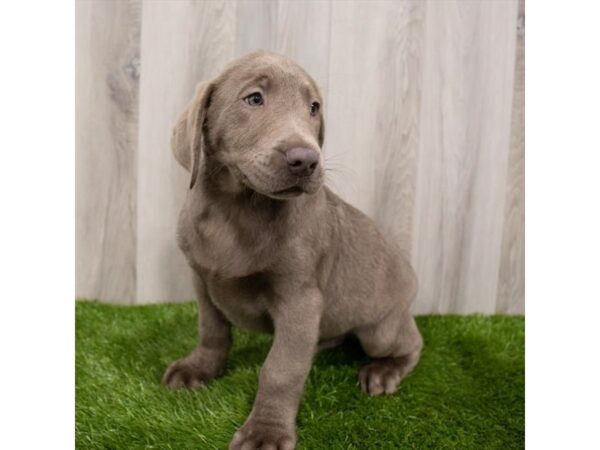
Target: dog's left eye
314	108
254	99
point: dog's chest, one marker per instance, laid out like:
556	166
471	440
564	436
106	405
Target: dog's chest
232	265
243	300
221	248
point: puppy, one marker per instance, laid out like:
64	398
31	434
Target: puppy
273	250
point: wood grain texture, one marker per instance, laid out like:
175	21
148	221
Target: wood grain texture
511	282
303	35
357	29
183	43
375	96
424	104
463	154
296	29
396	138
107	52
256	25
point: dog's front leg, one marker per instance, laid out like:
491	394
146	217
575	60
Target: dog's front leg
207	361
271	423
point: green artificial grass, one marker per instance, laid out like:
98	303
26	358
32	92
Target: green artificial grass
466	393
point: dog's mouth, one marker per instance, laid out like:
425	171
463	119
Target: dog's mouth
302	185
293	191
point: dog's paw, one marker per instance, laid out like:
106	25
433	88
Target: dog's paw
190	372
380	377
258	435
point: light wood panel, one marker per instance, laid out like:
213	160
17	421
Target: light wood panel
107	73
376	63
396	138
256	25
357	30
511	282
303	34
424	132
183	43
299	30
463	154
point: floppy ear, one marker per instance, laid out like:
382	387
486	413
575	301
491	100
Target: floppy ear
187	138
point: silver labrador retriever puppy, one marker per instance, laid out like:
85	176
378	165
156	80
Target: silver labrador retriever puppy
273	250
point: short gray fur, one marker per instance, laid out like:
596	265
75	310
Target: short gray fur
275	251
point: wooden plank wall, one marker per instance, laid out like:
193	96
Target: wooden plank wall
463	153
425	133
511	283
106	111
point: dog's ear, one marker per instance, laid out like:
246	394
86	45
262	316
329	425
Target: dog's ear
188	137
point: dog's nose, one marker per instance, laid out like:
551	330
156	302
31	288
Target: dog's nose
302	161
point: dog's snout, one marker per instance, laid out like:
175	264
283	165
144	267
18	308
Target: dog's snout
302	161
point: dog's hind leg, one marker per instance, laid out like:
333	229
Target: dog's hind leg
395	346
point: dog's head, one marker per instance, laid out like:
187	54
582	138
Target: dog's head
262	120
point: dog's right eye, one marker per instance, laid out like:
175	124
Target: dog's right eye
254	99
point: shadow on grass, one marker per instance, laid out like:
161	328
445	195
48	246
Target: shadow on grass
144	348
